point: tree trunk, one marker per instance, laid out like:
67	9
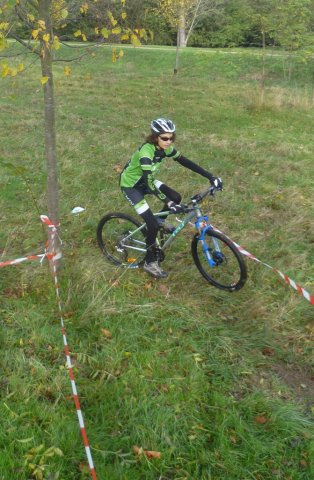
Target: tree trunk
181	29
262	98
176	66
49	125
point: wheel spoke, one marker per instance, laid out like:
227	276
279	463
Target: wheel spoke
121	240
219	261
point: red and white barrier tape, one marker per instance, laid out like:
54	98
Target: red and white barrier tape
53	227
54	257
23	259
288	280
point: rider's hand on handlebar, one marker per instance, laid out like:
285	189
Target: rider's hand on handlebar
216	182
174	208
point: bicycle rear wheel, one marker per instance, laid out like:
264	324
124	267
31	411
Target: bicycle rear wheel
120	240
226	269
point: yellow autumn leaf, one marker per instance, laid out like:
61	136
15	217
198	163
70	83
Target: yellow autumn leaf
56	43
116	30
78	33
97	30
30	17
35	34
44	80
20	67
114	55
84	37
5	70
41	24
4	25
84	8
112	19
135	40
121	53
13	72
105	32
67	71
123	2
46	37
123	15
125	36
143	33
64	13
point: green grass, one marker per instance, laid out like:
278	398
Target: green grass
220	384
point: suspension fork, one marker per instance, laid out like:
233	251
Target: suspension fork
203	227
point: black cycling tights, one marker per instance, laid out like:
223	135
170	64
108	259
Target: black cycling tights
152	224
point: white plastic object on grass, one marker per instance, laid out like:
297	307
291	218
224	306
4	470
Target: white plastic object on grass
78	210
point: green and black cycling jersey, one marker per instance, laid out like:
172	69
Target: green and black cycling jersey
141	169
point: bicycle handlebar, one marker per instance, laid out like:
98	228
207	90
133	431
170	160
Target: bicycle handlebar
200	196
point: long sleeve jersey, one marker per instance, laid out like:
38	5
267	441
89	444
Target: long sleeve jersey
145	163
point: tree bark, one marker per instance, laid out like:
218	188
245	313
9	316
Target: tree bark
49	125
176	65
181	29
263	76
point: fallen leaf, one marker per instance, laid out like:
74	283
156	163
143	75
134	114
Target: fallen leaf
164	289
152	454
106	333
268	351
118	168
261	419
149	453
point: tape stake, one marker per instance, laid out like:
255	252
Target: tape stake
289	281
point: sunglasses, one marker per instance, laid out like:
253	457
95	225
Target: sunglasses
166	139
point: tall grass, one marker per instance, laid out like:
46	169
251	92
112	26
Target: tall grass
219	383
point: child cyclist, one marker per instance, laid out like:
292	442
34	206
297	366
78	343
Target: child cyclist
138	179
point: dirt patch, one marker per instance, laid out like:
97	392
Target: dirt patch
299	380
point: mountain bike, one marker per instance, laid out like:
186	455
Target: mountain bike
121	238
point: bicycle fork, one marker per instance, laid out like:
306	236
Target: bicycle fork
203	227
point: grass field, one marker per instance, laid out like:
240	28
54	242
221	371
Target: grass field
220	384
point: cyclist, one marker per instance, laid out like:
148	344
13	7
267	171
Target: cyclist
138	179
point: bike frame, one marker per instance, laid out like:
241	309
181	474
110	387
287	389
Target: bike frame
201	224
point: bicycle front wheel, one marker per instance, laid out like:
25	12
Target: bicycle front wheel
219	261
121	240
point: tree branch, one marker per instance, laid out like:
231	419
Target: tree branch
25	44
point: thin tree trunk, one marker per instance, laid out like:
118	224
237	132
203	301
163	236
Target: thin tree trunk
49	124
176	66
262	99
193	21
181	29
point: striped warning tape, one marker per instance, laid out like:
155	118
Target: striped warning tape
55	257
288	280
23	259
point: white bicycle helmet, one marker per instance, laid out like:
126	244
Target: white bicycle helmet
162	125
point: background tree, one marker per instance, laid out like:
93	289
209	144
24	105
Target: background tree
184	16
292	26
40	27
